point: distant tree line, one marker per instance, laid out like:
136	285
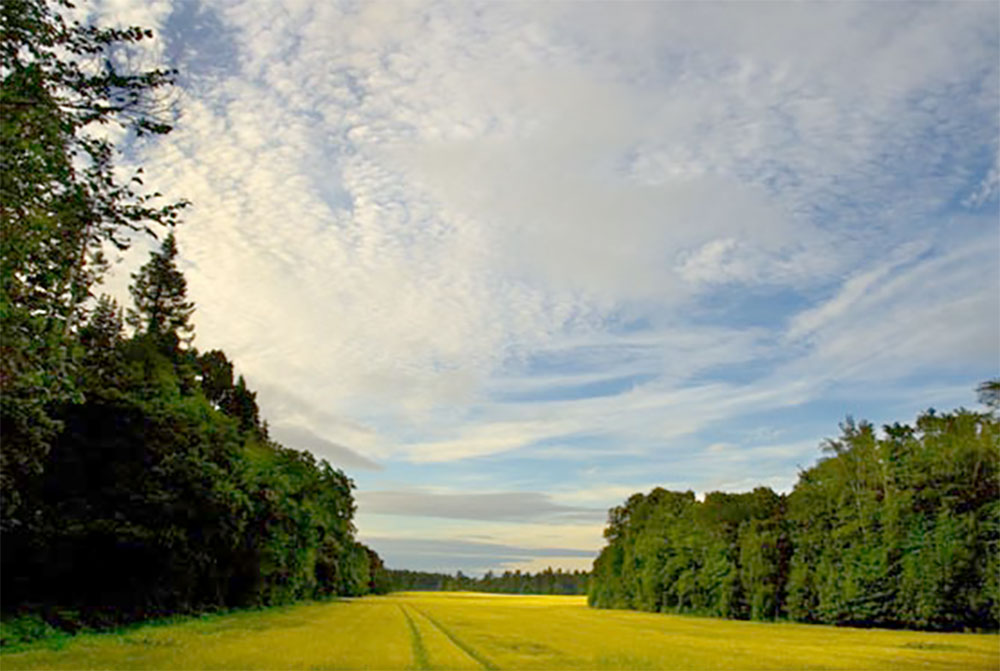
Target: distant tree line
897	530
136	476
548	581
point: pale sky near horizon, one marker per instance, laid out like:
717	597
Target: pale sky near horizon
508	263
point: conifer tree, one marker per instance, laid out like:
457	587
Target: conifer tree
241	403
101	338
160	295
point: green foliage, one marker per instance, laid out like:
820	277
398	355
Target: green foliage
216	376
989	393
900	529
22	629
548	581
241	404
160	295
61	201
153	500
136	478
723	556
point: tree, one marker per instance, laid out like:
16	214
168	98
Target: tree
241	404
60	197
128	489
101	340
160	294
894	529
61	200
216	376
989	393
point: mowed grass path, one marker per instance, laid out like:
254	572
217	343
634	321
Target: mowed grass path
479	631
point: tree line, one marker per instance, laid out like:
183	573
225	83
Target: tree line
137	477
548	581
898	529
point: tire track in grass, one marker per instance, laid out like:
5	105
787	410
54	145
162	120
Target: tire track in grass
460	644
417	642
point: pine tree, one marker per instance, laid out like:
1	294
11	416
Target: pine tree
241	403
160	295
101	339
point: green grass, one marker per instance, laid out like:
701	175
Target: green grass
479	631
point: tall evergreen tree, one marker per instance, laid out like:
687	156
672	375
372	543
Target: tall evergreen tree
101	339
160	294
241	403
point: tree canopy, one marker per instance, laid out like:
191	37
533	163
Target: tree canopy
61	202
900	529
548	581
136	477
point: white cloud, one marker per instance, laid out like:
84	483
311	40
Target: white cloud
988	188
577	538
610	495
495	506
395	180
718	448
430	233
340	456
853	291
935	313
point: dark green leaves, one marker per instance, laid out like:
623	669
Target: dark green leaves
159	292
136	478
900	529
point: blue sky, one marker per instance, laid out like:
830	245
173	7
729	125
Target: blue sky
507	264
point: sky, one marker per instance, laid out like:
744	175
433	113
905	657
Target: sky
507	264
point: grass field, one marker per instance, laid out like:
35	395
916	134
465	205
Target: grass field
478	631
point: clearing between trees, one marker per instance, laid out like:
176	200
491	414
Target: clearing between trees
461	630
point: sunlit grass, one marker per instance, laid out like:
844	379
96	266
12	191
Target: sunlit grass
474	631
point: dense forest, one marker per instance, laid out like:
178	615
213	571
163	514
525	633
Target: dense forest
137	477
508	582
899	528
